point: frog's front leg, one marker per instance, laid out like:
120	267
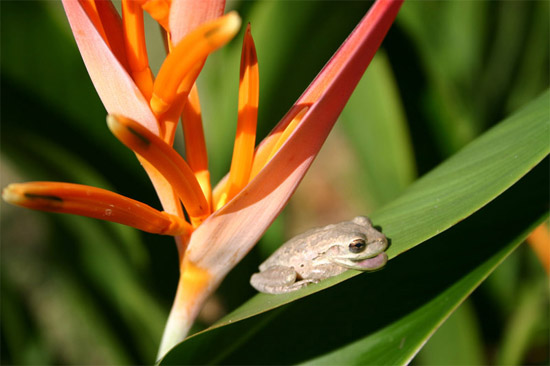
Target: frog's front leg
275	280
316	274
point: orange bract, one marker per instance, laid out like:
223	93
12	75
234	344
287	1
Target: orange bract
159	10
136	51
94	202
187	54
249	94
166	160
195	145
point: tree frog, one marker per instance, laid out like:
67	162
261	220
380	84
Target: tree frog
321	253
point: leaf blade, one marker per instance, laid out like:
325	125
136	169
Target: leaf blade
389	314
522	135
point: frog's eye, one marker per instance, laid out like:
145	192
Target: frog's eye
357	246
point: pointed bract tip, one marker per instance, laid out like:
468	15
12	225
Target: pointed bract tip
115	124
112	121
158	105
233	21
11	194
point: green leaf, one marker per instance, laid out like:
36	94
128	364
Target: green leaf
399	341
375	124
106	251
448	37
535	56
104	256
468	180
477	57
44	59
16	329
450	193
385	317
462	332
531	311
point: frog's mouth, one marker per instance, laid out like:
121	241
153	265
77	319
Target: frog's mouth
373	263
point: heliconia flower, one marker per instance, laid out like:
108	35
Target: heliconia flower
224	223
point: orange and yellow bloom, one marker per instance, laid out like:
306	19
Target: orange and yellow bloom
214	228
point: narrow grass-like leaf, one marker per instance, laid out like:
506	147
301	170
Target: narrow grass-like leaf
531	311
375	124
535	56
448	36
460	330
109	256
59	78
105	250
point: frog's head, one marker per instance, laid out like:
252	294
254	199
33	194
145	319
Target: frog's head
359	246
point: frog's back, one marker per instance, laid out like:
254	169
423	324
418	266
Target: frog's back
303	247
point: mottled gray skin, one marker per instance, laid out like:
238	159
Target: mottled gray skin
321	253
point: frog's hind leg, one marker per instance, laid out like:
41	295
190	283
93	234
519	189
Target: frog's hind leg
275	280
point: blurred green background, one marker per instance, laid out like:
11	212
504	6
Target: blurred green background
79	291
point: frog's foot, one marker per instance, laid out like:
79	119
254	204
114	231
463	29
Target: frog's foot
274	279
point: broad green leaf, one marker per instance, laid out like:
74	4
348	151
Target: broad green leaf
375	125
385	317
408	333
503	285
447	195
469	179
